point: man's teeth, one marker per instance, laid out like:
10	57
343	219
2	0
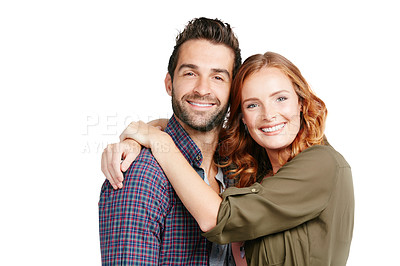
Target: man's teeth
201	104
271	129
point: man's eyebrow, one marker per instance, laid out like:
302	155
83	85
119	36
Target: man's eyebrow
195	67
221	70
187	66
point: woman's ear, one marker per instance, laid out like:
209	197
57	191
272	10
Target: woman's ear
245	125
300	105
168	84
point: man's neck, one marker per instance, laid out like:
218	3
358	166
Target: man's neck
207	143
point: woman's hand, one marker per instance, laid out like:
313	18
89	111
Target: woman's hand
128	149
146	135
111	164
198	197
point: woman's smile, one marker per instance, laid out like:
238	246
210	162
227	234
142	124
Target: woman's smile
271	108
273	129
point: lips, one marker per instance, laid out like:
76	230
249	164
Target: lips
273	128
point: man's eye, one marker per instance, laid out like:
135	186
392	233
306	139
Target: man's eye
189	74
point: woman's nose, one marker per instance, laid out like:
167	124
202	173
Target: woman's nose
269	113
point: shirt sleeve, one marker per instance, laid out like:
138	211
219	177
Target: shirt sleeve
298	192
131	218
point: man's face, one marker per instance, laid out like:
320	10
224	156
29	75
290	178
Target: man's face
201	85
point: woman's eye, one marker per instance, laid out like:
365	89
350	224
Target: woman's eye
281	99
252	105
218	78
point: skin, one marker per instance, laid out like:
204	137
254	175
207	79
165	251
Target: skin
269	100
200	92
271	111
200	89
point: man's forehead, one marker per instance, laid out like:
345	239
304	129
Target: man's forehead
207	55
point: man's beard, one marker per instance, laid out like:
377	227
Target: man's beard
201	122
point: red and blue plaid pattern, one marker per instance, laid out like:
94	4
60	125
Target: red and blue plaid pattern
145	223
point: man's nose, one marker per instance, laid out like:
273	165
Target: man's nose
203	86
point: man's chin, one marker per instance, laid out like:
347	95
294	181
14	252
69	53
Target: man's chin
201	121
198	125
203	127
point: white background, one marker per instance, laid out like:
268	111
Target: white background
73	74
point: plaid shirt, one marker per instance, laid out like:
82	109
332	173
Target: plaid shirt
145	223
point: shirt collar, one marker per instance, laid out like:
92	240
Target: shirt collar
184	142
220	178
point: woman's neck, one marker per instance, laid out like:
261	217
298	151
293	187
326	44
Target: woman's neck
278	158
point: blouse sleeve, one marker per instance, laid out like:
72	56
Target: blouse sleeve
297	193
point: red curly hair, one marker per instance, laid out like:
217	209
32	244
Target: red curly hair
247	161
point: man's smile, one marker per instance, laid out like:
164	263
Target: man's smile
200	104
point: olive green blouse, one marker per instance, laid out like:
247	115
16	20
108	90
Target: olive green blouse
303	215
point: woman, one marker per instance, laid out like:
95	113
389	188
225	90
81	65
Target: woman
294	201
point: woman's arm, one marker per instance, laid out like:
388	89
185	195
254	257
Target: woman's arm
117	157
160	123
297	193
199	198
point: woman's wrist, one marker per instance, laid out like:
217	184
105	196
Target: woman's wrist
161	143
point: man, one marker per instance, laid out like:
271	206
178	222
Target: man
144	222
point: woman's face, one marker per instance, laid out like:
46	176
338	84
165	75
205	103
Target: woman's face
271	108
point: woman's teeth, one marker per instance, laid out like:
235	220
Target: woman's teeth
272	129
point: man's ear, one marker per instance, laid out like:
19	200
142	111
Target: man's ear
168	84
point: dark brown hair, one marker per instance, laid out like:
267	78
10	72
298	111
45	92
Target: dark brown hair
213	30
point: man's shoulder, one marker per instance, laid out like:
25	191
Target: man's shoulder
145	165
144	181
145	157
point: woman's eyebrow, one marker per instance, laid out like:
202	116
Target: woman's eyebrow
250	99
277	92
